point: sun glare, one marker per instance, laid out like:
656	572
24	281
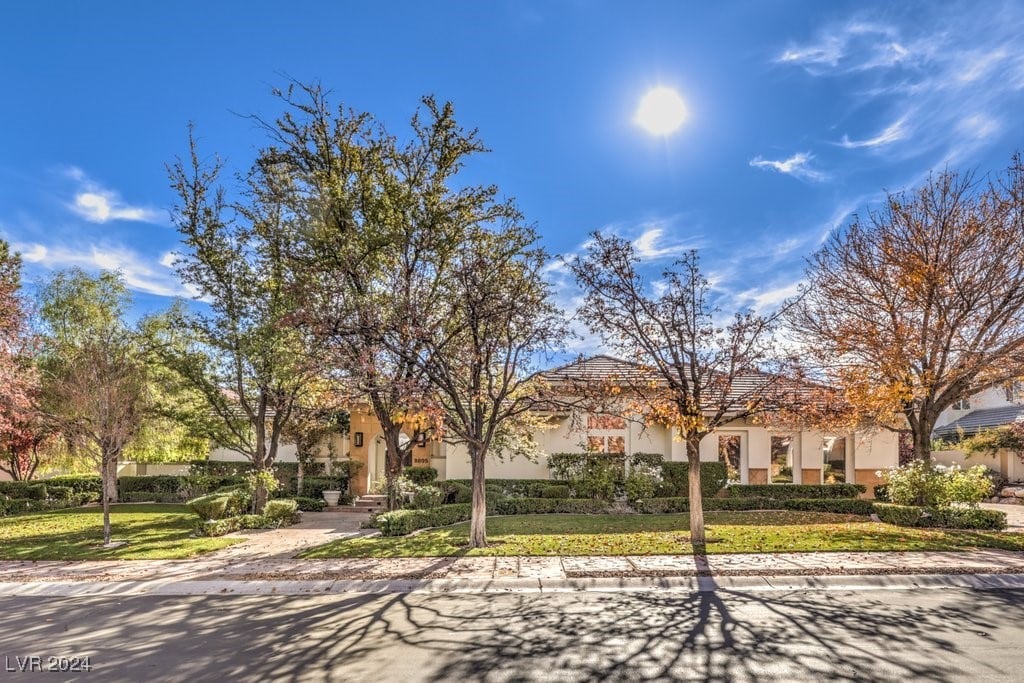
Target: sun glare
661	111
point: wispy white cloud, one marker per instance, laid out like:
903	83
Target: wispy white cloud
97	204
798	166
651	245
892	133
949	93
139	273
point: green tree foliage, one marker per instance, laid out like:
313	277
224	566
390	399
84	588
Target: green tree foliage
239	348
94	375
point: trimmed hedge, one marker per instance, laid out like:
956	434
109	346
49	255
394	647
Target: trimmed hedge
33	490
314	487
545	506
81	483
843	506
675	478
556	491
404	522
310	504
420	475
833	505
281	510
161	484
881	493
454	492
789	491
15	506
522	488
945	518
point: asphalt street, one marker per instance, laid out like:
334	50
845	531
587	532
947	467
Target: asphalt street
834	634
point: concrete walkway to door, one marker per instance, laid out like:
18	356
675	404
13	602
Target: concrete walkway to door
316	528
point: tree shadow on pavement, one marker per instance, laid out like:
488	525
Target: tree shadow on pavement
709	635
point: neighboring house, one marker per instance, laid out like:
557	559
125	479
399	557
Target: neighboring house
995	407
754	454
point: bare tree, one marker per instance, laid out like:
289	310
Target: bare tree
482	346
691	372
921	303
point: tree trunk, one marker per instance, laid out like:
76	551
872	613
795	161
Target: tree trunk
110	478
696	502
478	520
299	475
392	466
923	437
105	467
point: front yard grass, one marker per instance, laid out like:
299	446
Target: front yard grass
153	532
734	532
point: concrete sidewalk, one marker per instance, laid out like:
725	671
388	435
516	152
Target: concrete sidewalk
235	568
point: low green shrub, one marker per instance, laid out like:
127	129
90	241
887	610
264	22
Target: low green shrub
881	493
218	527
969	518
212	506
675	479
403	522
556	491
523	488
786	491
60	492
948	517
599	476
81	483
281	510
33	490
454	492
310	504
14	506
680	504
425	497
314	487
420	475
144	497
165	485
840	506
545	506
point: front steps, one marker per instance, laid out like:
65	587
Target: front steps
365	504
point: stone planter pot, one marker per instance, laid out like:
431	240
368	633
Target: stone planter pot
331	497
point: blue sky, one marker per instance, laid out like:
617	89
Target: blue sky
800	114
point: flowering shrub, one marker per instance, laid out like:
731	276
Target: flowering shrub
643	480
929	485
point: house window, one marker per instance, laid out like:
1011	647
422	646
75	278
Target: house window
782	459
962	404
834	451
729	453
606	444
606	434
605	422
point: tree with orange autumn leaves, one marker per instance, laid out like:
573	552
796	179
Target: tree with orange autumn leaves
921	303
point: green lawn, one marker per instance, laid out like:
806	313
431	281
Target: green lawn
728	532
153	532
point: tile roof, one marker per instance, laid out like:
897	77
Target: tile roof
980	420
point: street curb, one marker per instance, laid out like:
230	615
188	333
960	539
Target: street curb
687	584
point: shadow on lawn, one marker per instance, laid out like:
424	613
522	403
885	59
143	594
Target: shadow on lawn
717	635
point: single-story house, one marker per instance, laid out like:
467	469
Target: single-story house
754	453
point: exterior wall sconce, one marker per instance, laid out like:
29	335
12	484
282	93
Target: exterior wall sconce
357	439
421	439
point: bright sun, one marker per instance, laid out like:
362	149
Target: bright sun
661	111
